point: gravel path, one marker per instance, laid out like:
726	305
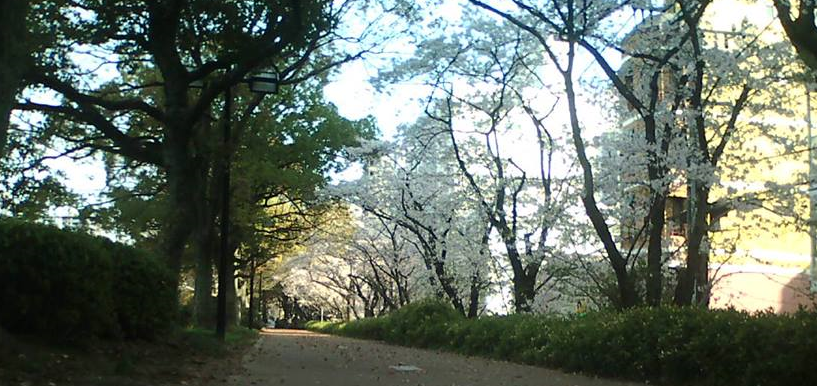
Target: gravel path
293	357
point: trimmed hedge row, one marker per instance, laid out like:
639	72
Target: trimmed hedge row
665	345
67	286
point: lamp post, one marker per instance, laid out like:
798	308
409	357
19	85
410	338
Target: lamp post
812	190
263	82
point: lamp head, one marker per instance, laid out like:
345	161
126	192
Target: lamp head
264	82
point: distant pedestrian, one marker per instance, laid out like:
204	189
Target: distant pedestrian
581	309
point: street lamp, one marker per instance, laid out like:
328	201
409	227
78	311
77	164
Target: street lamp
812	191
263	82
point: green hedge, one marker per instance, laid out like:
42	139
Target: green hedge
684	346
67	286
145	299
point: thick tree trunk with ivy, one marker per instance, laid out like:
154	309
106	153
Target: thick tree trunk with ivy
205	250
14	56
185	187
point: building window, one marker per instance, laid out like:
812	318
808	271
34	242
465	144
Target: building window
676	216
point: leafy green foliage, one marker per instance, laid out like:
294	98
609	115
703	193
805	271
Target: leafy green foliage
668	345
145	297
29	187
68	286
54	282
420	324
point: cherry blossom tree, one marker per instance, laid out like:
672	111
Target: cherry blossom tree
417	187
484	84
360	264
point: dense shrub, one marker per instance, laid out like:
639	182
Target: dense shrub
422	324
54	282
665	345
67	286
145	300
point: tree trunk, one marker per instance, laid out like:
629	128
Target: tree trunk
523	288
476	278
369	306
182	150
403	295
205	236
627	296
436	266
523	284
448	287
14	56
693	283
205	251
185	184
203	296
801	30
262	300
233	306
656	217
251	310
474	296
655	249
696	276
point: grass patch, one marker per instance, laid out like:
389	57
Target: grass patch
205	341
185	355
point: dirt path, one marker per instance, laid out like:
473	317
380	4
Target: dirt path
291	357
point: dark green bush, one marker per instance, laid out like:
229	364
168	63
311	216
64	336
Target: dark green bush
54	283
67	286
144	297
686	346
421	324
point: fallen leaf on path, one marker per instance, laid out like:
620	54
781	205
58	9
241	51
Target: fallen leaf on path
405	368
